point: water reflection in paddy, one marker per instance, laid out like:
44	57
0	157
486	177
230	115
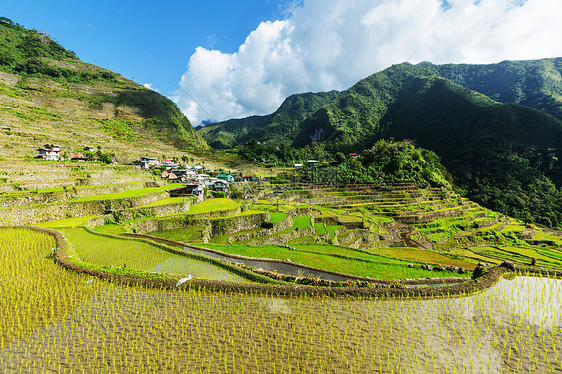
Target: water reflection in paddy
514	327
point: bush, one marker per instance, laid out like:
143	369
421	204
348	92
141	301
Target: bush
218	194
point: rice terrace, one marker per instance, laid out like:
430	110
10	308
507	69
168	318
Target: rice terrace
409	221
367	269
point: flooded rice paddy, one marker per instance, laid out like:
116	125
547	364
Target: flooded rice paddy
514	327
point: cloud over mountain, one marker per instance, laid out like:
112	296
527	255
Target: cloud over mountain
330	44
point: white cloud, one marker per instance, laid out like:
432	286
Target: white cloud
331	44
150	87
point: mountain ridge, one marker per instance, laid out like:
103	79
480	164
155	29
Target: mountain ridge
500	154
50	96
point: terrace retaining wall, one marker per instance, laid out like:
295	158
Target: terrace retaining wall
230	225
28	214
285	237
32	197
276	227
217	226
123	215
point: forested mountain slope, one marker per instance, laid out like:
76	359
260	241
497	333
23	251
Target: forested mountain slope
278	127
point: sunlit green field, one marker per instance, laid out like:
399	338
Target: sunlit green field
138	255
333	258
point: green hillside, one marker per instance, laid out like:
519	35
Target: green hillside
534	83
50	96
496	128
505	156
278	127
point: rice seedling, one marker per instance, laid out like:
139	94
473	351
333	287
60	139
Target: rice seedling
131	330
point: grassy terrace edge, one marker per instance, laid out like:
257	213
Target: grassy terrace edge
148	280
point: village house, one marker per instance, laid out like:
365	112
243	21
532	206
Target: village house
78	157
148	162
169	164
48	152
183	175
226	177
89	149
220	185
202	177
194	188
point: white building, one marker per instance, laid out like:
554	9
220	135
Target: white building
48	152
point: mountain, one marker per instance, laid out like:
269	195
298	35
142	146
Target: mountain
497	128
277	127
49	96
534	83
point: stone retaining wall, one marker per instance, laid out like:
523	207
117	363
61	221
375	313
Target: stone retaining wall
31	197
231	225
123	215
28	214
218	225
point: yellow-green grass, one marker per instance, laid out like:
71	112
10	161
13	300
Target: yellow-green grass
379	270
381	219
111	229
524	255
468	254
34	290
68	222
266	205
301	222
540	235
320	228
500	253
207	206
60	189
277	217
184	234
332	230
138	255
213	205
339	251
125	194
514	226
167	201
350	218
327	213
422	256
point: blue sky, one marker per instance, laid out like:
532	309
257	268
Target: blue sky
235	58
122	35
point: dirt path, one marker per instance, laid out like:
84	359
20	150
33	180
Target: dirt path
420	243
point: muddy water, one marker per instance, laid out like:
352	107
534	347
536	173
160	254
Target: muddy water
515	327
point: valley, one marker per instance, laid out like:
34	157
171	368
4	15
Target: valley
410	223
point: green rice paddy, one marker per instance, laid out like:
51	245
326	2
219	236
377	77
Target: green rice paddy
138	255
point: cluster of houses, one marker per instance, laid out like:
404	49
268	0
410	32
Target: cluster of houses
195	182
194	177
52	153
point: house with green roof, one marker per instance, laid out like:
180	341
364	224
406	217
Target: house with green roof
226	177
